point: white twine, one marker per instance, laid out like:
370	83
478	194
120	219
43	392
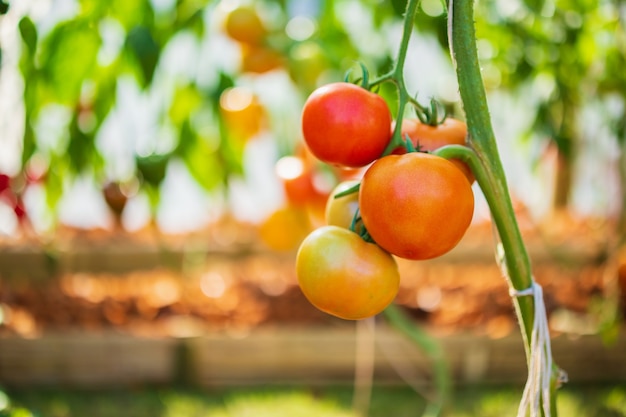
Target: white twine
537	390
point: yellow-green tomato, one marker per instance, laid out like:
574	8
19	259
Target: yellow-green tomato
340	210
345	276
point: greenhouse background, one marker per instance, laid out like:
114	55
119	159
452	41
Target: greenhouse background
155	187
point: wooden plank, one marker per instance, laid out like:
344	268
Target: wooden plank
82	359
294	355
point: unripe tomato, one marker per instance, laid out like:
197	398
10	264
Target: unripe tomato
307	62
340	211
243	24
346	125
417	205
345	276
430	138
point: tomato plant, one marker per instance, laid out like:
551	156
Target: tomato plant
347	125
244	25
417	205
340	211
426	137
345	276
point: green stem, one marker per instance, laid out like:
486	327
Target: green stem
490	173
396	75
482	140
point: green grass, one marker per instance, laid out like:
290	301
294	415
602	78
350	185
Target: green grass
601	401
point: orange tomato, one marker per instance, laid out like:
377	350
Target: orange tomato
244	25
345	276
417	205
243	114
285	228
260	59
430	138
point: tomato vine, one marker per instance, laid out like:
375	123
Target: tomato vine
481	154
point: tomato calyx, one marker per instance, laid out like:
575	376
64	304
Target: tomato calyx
363	80
432	115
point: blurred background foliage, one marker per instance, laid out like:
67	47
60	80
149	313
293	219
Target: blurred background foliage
123	94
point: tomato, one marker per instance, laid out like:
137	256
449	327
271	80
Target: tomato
345	276
244	25
299	181
340	211
307	62
260	59
346	125
430	138
417	205
285	228
243	114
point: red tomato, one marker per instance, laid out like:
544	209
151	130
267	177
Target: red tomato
345	276
430	138
416	205
299	181
346	125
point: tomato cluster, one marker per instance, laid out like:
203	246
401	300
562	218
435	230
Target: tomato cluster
412	205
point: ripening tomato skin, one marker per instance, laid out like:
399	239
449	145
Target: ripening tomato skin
346	125
416	206
340	211
430	138
345	276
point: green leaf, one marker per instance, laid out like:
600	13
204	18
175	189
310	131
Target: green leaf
153	168
205	165
399	6
28	32
81	149
29	145
146	50
186	100
4	7
68	58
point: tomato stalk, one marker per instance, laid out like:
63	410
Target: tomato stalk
396	317
485	162
396	76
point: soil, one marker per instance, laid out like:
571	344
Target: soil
232	282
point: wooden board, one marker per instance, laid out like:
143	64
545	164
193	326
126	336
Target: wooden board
283	355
